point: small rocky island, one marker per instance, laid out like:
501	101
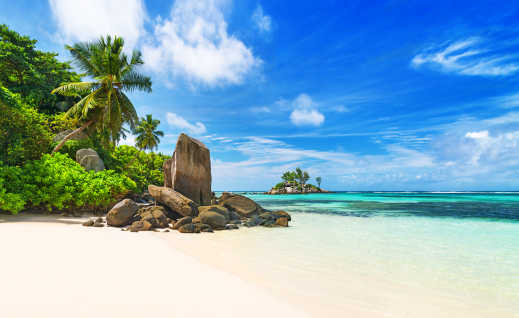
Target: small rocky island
295	182
186	202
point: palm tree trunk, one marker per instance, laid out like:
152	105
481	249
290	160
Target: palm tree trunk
72	134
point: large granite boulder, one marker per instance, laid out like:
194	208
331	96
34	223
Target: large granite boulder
189	170
122	213
244	206
89	159
183	221
214	219
215	208
174	200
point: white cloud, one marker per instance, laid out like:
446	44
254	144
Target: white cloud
194	42
179	122
88	20
467	57
477	134
305	112
262	21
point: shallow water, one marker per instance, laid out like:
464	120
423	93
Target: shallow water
386	254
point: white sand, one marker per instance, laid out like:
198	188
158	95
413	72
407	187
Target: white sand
53	267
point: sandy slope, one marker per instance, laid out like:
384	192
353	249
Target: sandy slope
52	267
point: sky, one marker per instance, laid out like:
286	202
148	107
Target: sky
369	95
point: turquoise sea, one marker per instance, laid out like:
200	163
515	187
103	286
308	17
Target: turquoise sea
395	254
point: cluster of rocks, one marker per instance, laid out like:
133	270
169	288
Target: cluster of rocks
179	213
186	203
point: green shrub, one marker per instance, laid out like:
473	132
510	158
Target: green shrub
58	182
24	133
143	168
72	146
279	185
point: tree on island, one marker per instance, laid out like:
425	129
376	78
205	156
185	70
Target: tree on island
302	176
289	176
105	105
147	133
318	180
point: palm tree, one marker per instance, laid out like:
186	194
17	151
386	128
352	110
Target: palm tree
147	133
104	105
318	180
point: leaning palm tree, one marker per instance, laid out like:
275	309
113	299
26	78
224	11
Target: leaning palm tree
147	133
104	104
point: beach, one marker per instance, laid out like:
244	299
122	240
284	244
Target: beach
323	265
54	267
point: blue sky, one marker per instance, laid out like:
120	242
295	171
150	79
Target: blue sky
369	95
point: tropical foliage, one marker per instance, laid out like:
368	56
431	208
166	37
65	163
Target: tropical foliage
143	168
297	177
31	73
24	133
31	178
105	106
58	182
147	133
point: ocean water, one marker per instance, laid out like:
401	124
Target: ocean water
381	254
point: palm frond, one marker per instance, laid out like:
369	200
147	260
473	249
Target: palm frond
75	88
135	81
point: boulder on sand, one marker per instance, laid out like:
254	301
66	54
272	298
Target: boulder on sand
189	170
214	219
244	206
155	215
216	208
140	226
174	200
183	221
89	160
121	214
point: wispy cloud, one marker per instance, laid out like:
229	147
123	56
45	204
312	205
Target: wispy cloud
179	122
262	21
194	42
88	20
467	57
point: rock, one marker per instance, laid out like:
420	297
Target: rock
201	227
216	220
197	220
166	230
88	223
240	204
89	160
61	135
174	200
254	221
121	214
155	215
100	220
268	216
215	208
235	222
282	214
140	226
183	221
282	221
188	228
189	170
231	227
234	216
98	224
